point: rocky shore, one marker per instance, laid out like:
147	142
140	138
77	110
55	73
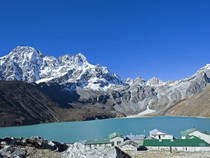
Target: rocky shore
20	147
38	147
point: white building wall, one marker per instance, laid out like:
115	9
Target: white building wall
167	136
202	136
117	141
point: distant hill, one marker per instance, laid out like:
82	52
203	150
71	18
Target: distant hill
197	105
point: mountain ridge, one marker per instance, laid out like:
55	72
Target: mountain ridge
21	54
88	85
28	64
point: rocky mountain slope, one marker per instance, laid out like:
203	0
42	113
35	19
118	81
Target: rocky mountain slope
23	103
159	97
197	105
91	91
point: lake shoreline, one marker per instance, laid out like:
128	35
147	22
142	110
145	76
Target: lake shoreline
71	132
40	147
126	117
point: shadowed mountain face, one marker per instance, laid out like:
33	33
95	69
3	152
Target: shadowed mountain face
23	103
70	88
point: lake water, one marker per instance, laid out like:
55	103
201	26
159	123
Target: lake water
100	129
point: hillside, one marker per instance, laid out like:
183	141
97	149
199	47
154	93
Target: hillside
197	105
23	103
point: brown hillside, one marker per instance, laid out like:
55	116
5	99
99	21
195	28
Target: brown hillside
198	105
23	103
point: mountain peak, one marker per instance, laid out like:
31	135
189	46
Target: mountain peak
206	67
154	81
24	53
28	64
22	63
202	70
25	49
81	56
138	80
80	59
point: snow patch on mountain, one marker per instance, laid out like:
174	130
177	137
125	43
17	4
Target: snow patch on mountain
155	82
28	64
143	113
138	80
87	80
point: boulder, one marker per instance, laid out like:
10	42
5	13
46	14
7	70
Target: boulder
13	152
121	154
60	147
7	141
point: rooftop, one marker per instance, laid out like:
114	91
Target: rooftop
115	134
132	137
188	131
156	132
195	142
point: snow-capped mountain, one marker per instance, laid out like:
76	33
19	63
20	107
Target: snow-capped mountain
23	63
96	85
155	82
157	95
28	64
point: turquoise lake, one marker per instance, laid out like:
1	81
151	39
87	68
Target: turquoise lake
100	129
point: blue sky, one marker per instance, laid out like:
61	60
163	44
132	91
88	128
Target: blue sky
169	39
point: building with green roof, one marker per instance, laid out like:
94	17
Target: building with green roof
99	142
193	144
116	138
176	142
187	132
115	134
